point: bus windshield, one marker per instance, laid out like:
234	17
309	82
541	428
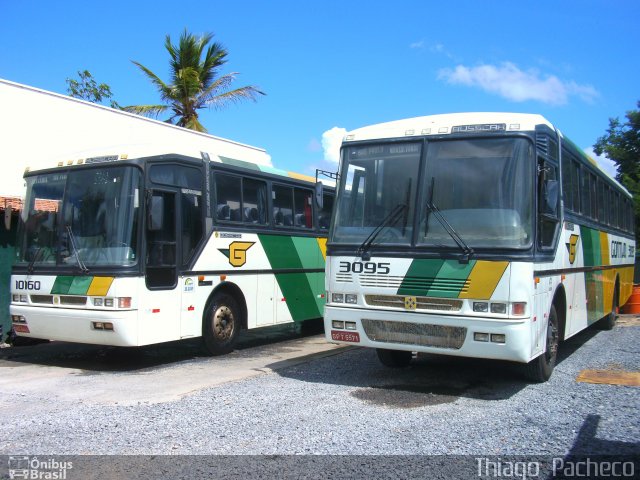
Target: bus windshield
481	188
80	218
377	181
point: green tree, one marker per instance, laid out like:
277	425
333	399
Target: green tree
621	144
195	82
86	88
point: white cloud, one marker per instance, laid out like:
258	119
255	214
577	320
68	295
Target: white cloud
331	141
605	162
508	81
419	44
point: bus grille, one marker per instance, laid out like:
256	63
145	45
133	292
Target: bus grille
423	284
43	299
344	278
380	281
406	333
72	300
422	303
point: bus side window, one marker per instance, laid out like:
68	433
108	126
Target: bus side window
228	192
324	215
282	206
192	228
303	208
548	204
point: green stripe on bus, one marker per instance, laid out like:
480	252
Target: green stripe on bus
281	252
285	252
420	276
593	281
239	163
590	247
308	252
594	287
71	285
298	295
61	285
80	285
451	278
316	279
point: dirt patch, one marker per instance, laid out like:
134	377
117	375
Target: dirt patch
628	321
612	376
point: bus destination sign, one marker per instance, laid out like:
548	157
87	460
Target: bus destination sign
483	128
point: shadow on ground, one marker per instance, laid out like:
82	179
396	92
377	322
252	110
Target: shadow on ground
99	358
429	379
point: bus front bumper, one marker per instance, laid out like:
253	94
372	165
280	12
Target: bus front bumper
500	339
77	325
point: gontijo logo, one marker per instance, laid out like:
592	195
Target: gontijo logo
237	253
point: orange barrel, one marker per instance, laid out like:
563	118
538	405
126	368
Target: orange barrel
633	304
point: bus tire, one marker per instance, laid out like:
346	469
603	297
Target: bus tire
394	358
608	322
539	369
221	324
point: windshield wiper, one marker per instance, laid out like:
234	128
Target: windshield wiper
72	240
388	221
467	251
35	258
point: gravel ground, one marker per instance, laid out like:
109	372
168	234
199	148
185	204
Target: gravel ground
349	404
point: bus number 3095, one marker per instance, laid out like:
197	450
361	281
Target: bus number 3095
381	268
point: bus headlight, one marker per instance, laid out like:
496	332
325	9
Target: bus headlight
351	298
480	307
499	308
337	298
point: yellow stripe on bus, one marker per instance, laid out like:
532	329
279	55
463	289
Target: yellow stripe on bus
100	286
626	283
604	249
300	176
322	243
609	279
484	279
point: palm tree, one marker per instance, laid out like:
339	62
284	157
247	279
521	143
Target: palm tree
195	82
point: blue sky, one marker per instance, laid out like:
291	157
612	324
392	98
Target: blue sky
334	65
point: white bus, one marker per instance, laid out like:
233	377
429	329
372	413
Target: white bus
133	250
486	235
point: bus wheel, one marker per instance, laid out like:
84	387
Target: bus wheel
221	324
539	369
394	358
608	322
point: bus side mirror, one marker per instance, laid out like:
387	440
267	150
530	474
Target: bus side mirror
318	193
155	219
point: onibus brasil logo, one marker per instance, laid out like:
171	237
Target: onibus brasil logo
34	468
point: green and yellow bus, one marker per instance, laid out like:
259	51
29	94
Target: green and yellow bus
132	250
485	235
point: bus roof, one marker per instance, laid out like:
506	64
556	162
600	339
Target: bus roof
445	123
109	156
